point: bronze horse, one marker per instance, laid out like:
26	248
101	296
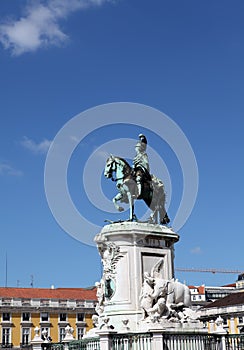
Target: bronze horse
153	192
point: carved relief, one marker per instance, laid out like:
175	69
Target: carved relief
110	255
165	299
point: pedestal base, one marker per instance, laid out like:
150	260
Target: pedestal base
137	291
129	251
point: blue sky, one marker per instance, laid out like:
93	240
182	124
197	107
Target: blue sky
60	58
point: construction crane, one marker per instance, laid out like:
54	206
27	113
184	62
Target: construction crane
238	272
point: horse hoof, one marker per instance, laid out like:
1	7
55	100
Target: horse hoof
165	220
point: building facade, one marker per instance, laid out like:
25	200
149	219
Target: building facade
198	295
203	295
226	302
23	309
230	309
240	281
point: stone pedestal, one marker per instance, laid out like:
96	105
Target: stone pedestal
129	251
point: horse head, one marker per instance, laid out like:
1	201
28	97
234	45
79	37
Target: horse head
117	165
109	167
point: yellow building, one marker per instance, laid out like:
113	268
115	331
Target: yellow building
230	309
23	309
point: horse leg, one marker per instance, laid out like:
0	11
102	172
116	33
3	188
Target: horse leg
131	204
153	217
117	198
134	217
164	219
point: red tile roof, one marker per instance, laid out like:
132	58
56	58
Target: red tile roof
230	285
48	293
200	289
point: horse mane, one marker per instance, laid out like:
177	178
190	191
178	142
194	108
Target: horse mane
123	160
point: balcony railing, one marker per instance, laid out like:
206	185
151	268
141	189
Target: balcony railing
26	346
234	342
85	344
48	303
6	345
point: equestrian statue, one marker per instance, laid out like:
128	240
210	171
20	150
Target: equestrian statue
136	182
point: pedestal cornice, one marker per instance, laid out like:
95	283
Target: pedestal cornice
138	230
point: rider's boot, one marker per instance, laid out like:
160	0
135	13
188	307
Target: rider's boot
139	189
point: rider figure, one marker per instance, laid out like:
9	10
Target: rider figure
141	164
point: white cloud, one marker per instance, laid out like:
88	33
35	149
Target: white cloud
102	154
40	27
36	148
74	139
6	169
196	250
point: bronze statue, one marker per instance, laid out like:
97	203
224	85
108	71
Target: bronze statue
137	183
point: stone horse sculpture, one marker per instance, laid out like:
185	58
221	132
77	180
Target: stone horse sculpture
153	192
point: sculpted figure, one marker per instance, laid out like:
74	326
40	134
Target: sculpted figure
141	164
159	309
100	297
146	299
153	297
178	294
95	320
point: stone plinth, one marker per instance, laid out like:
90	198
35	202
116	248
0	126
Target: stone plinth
129	250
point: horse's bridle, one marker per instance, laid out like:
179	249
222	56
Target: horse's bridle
114	170
115	179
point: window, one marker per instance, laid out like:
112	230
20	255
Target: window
61	333
63	317
5	336
80	333
6	316
80	317
44	317
26	316
25	336
225	321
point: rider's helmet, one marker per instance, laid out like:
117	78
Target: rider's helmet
142	144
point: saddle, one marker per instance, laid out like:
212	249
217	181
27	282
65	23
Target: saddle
140	171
